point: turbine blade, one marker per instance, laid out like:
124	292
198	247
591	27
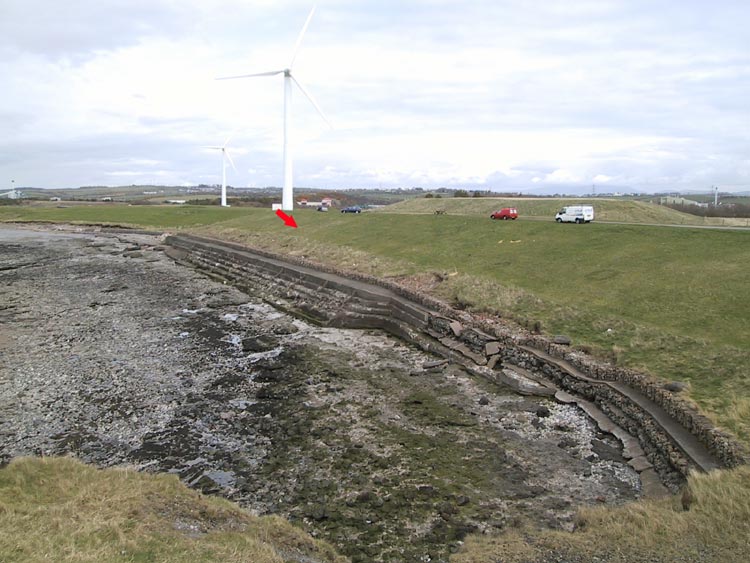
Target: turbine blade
215	148
231	136
312	101
299	37
229	158
269	73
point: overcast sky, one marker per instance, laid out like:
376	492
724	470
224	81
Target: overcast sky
645	95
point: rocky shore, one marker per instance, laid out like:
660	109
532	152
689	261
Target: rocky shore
112	353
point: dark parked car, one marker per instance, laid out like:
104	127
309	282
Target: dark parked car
352	209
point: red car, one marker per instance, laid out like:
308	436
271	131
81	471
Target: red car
505	213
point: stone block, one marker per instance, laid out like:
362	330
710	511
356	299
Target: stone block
457	328
491	348
640	464
493	361
562	340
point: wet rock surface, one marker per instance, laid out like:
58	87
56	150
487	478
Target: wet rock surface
112	353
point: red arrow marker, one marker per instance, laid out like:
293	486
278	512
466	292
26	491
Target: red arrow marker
288	219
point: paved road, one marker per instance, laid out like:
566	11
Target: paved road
711	227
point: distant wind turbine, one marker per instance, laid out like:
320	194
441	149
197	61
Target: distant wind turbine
224	157
287	198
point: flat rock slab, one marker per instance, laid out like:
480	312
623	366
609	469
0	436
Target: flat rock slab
640	464
652	486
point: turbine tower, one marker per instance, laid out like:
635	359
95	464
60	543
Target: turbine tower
287	198
224	157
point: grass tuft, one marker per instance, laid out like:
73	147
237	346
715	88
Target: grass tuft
710	524
58	509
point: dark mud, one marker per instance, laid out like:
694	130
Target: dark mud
111	353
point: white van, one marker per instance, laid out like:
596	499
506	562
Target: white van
575	214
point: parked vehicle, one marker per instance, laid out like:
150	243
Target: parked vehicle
505	213
322	208
352	209
575	214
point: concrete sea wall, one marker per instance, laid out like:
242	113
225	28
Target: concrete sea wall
663	435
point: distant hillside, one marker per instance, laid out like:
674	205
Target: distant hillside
628	211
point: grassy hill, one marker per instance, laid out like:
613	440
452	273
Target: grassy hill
121	193
150	216
615	210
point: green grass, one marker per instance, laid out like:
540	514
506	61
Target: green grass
715	529
147	216
57	509
613	210
605	209
689	282
671	301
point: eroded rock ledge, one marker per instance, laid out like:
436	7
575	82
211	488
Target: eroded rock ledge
662	433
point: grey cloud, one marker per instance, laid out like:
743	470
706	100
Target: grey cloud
676	71
74	28
110	158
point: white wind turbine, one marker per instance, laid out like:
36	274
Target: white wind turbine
287	199
224	157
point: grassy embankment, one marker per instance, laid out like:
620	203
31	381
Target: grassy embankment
58	509
616	209
144	216
666	300
675	300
